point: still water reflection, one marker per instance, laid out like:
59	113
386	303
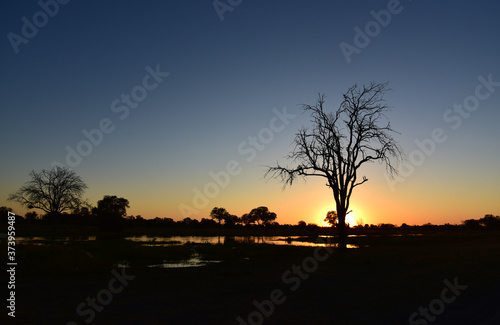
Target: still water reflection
195	260
319	241
43	240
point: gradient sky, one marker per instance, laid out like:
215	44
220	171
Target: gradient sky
227	78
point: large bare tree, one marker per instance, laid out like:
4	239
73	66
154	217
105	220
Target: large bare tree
52	191
340	142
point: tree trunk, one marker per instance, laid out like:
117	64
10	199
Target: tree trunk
341	227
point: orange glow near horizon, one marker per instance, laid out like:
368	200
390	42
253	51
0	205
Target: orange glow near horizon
414	202
350	218
374	203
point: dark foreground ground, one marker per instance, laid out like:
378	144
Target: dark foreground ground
384	283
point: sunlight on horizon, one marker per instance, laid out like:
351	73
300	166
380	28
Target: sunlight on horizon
349	219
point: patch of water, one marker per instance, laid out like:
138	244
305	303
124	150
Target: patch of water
42	240
181	240
321	241
194	261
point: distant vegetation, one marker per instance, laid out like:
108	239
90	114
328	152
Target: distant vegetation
58	193
111	215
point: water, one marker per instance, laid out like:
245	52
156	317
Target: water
195	260
321	241
38	240
214	240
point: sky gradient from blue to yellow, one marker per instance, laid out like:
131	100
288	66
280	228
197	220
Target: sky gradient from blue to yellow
226	81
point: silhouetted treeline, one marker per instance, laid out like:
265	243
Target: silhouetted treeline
487	222
99	217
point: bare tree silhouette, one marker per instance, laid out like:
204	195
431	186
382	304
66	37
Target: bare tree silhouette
340	142
52	191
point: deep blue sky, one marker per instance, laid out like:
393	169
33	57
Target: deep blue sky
225	79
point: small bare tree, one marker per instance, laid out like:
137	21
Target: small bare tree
340	142
52	191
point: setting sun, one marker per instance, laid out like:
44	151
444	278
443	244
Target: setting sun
351	219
